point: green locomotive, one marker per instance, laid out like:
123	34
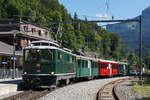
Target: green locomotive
47	66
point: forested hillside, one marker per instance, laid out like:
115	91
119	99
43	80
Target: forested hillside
130	32
73	36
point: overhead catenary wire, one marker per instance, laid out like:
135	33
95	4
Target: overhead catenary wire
68	22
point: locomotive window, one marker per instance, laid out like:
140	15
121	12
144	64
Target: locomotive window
58	55
46	55
73	59
43	55
32	55
68	58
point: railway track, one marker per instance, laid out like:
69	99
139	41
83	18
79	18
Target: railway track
109	90
29	95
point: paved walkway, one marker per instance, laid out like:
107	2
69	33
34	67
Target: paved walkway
10	79
9	85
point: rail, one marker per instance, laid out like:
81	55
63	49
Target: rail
29	95
109	90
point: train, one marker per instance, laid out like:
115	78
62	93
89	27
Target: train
47	65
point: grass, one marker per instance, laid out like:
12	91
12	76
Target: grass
143	90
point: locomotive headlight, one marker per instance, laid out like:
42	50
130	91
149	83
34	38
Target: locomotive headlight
25	73
52	73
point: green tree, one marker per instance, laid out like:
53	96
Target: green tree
115	45
133	59
74	36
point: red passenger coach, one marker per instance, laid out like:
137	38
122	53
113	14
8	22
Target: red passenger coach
108	68
104	68
114	68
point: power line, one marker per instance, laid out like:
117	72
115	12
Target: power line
68	22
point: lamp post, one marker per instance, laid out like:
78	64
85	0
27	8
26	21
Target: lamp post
13	58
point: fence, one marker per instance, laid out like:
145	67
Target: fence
8	73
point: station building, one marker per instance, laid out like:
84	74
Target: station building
25	33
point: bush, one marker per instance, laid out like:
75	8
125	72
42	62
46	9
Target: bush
146	81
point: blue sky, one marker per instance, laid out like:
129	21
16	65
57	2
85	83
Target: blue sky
120	9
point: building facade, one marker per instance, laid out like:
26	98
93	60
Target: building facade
21	34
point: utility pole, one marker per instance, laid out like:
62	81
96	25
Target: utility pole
140	47
14	58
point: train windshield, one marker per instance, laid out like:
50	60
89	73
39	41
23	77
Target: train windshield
42	55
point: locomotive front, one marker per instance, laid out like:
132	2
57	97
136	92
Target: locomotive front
39	67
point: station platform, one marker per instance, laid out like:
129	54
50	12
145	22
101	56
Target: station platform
9	85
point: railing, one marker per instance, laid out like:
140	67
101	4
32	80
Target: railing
8	73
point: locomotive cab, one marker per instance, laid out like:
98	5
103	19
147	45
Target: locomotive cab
48	66
39	67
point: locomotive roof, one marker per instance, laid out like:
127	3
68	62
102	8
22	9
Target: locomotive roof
45	41
47	47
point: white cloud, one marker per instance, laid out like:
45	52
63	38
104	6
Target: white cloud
106	16
99	15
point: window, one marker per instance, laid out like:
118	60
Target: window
44	55
82	63
40	33
73	59
68	58
46	34
96	64
32	55
25	28
79	63
92	64
33	30
103	65
86	63
58	55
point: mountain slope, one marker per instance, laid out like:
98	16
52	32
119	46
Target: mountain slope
130	31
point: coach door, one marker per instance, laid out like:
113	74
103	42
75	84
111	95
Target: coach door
89	66
110	67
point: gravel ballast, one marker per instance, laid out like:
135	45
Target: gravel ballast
124	90
80	91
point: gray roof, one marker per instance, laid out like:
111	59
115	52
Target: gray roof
7	50
91	54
